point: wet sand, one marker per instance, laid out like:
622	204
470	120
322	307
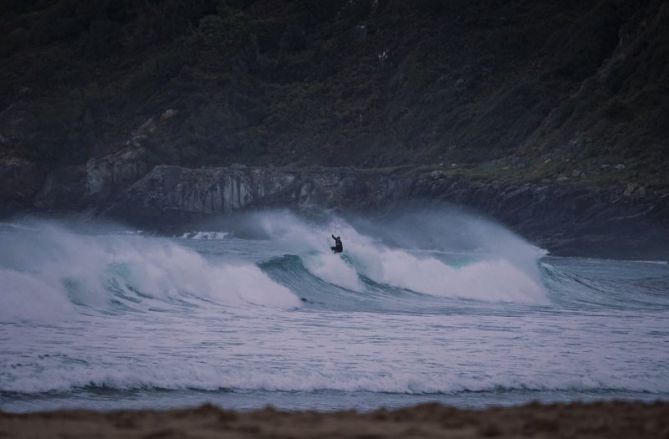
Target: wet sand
598	420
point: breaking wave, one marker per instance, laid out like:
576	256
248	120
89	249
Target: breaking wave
511	275
53	271
421	304
192	377
48	270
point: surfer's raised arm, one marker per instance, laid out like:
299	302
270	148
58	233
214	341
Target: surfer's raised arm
338	247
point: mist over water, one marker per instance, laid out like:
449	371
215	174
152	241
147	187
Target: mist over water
423	304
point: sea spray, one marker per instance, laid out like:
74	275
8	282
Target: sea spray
120	321
52	269
506	268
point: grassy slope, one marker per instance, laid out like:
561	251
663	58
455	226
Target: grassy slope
517	89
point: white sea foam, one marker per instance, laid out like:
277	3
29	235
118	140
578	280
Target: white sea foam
508	271
208	236
260	349
312	243
187	319
193	377
333	269
59	269
491	280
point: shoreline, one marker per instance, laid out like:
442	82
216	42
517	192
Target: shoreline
609	419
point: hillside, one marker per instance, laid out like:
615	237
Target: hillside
539	88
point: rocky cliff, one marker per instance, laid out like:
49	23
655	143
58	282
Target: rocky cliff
625	221
567	217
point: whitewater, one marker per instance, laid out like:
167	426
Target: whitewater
254	310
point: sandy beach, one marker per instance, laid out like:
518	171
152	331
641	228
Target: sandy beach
597	420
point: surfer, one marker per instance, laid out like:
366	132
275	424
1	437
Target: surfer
338	247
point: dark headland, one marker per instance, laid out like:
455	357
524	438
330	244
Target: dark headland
553	118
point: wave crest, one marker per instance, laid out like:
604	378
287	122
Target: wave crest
50	271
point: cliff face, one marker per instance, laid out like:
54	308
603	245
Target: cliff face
567	217
625	221
170	191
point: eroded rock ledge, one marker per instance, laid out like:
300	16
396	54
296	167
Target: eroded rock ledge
567	219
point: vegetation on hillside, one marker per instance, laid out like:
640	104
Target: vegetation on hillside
540	88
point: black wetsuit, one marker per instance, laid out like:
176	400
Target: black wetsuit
338	247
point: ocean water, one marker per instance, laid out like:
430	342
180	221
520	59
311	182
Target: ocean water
423	306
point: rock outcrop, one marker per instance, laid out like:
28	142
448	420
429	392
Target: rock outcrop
107	175
567	219
570	218
170	194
